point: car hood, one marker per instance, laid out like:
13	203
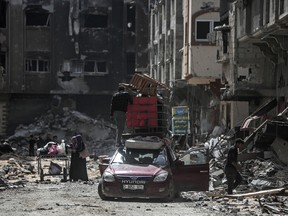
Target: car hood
128	169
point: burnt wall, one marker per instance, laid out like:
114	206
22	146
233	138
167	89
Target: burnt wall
77	49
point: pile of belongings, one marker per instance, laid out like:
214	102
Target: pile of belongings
52	148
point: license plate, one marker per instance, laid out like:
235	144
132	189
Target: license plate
133	187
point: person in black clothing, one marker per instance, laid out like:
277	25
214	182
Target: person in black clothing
32	142
232	167
119	104
78	169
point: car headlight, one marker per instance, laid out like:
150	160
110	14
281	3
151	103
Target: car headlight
162	176
108	177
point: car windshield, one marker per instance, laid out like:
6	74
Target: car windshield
141	156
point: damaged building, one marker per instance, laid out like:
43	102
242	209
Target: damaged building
253	46
182	55
67	53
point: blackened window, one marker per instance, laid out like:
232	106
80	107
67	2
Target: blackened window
130	17
89	66
76	66
3	9
95	21
37	65
37	19
102	67
2	63
95	66
203	28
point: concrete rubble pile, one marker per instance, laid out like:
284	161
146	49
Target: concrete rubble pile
264	188
14	171
98	135
260	170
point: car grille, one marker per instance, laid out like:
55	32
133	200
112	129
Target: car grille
135	181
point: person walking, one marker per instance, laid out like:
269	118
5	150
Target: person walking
232	167
119	104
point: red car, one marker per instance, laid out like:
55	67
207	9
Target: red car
153	171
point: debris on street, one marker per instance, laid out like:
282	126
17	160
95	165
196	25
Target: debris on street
97	133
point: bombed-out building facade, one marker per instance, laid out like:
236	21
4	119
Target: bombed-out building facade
253	45
72	53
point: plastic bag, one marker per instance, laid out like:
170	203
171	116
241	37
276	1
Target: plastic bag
54	168
53	150
61	148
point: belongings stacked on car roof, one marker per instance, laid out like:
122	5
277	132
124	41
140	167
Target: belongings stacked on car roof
149	112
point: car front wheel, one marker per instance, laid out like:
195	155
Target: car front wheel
100	192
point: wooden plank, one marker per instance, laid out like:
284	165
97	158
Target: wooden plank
258	193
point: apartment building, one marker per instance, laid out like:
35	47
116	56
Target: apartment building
253	54
182	55
74	50
165	40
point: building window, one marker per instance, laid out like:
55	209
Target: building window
76	66
3	9
172	7
92	66
37	65
36	16
73	66
95	21
130	17
2	63
203	28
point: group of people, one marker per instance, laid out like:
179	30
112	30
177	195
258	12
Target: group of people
39	142
78	169
119	104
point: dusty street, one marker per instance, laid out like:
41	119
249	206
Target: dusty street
22	193
53	197
82	199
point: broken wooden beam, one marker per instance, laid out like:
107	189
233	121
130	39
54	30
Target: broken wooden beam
258	193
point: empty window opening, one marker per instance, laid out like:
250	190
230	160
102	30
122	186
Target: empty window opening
95	21
130	58
3	63
72	66
102	67
130	17
37	65
76	66
3	9
89	66
36	16
95	66
203	28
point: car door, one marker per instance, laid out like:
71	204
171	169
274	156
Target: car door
191	170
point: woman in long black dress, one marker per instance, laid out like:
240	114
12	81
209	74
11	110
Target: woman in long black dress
78	170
